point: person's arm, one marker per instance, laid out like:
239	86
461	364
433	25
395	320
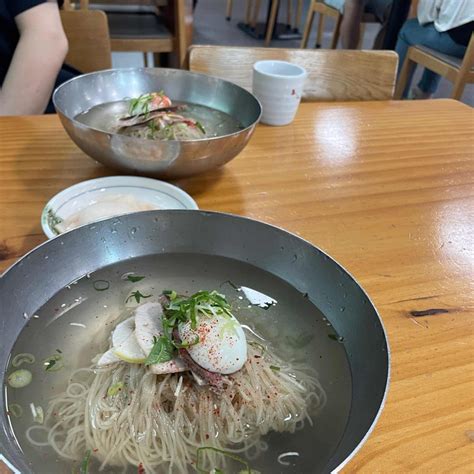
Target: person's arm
36	62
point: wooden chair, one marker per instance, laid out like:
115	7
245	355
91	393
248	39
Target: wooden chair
332	75
87	32
252	11
143	30
318	6
459	71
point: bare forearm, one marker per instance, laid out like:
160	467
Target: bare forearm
32	74
36	62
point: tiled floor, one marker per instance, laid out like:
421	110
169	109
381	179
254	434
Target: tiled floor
210	27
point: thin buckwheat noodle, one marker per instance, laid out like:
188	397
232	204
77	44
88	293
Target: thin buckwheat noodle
159	421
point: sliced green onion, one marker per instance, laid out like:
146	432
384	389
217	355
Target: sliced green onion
85	463
134	278
115	389
23	358
20	378
275	368
101	285
15	410
53	363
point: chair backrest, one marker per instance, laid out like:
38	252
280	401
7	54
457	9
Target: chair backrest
332	74
87	32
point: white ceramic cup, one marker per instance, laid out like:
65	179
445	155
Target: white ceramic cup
278	86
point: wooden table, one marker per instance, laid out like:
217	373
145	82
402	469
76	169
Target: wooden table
387	189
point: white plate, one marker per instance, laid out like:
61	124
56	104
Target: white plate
156	193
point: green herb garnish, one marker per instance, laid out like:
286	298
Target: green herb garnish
134	278
115	389
85	463
275	368
183	310
137	295
228	454
140	105
153	128
162	351
53	363
185	345
199	125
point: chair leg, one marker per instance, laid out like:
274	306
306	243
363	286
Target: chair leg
271	22
289	14
228	14
405	73
458	87
320	31
361	35
256	11
307	28
299	11
248	11
337	31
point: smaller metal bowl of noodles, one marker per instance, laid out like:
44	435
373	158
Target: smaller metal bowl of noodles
87	106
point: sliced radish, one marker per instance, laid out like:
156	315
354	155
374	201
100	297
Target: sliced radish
148	325
107	358
124	343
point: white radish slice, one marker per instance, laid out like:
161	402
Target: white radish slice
148	325
124	343
107	358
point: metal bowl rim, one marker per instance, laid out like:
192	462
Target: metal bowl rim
356	449
129	138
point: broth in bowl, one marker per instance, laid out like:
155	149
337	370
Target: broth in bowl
179	363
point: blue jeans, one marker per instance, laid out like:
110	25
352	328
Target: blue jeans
413	33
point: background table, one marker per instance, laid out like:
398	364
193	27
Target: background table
387	189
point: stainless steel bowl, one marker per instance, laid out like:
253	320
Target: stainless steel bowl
254	252
167	159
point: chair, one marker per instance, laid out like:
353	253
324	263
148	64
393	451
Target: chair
318	6
252	11
459	71
333	75
88	36
136	26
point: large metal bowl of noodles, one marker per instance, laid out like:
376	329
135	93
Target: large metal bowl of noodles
319	306
158	158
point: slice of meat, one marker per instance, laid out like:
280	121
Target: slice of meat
217	381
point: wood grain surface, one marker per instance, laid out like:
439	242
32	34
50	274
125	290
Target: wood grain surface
387	189
332	75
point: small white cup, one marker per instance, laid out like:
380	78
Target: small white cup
278	86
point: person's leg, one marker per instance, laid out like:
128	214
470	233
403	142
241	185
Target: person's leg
443	43
350	25
413	33
381	9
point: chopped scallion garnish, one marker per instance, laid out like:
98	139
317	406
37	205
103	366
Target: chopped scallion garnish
134	278
85	463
